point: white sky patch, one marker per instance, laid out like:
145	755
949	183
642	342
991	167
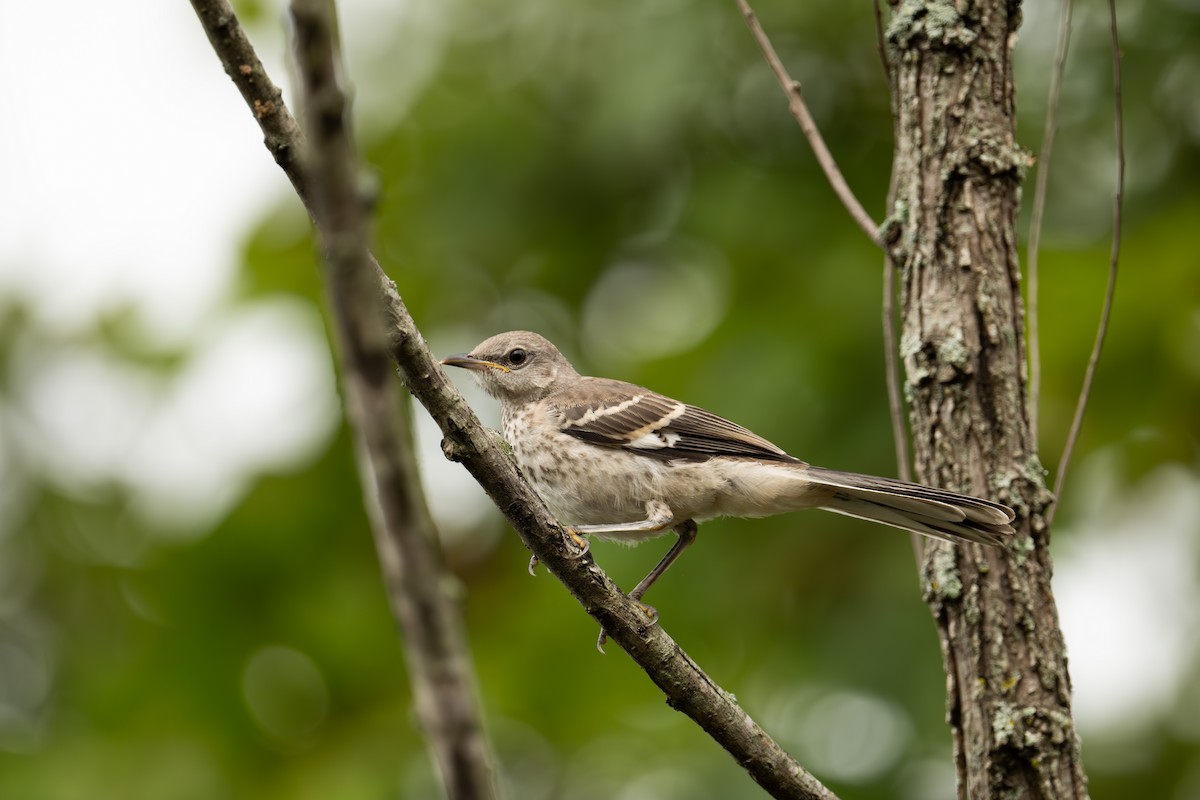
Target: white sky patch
130	174
1128	592
463	513
467	520
256	395
129	170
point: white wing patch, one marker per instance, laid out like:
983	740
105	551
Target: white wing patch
654	441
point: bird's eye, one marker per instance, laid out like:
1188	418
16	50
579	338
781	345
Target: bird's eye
517	357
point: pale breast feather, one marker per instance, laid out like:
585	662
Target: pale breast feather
622	415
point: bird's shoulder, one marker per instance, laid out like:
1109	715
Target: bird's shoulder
624	415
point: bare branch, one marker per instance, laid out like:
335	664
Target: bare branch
892	377
891	367
281	134
881	47
1114	258
686	687
1039	210
436	650
800	111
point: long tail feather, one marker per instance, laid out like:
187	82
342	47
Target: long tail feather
913	507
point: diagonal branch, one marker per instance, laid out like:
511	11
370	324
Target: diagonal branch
281	133
686	687
1039	210
1114	257
800	111
436	646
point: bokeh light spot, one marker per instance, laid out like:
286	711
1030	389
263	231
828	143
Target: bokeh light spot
285	693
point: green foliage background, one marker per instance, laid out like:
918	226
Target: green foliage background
535	161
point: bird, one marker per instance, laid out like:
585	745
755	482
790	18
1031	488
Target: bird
617	461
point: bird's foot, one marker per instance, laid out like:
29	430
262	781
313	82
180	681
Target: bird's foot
580	541
650	611
651	614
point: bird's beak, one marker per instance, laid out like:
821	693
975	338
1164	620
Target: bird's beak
466	361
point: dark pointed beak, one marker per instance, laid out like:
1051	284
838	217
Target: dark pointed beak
467	361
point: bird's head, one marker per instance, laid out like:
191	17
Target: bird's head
516	367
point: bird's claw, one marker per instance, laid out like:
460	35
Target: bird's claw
580	541
650	611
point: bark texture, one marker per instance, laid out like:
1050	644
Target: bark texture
440	669
952	232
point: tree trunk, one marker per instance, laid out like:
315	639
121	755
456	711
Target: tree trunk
952	233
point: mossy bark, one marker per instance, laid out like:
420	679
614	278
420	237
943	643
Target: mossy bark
952	234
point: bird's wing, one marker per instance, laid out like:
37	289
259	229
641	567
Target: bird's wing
622	415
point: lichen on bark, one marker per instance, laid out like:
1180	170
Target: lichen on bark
952	234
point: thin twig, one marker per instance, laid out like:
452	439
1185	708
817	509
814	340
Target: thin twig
1038	213
881	46
891	366
895	404
686	687
1114	257
435	642
800	111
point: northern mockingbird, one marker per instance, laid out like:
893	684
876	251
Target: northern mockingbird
620	462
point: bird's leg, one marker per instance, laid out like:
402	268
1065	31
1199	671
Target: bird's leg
659	515
686	531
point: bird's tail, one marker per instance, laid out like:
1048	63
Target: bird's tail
912	507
